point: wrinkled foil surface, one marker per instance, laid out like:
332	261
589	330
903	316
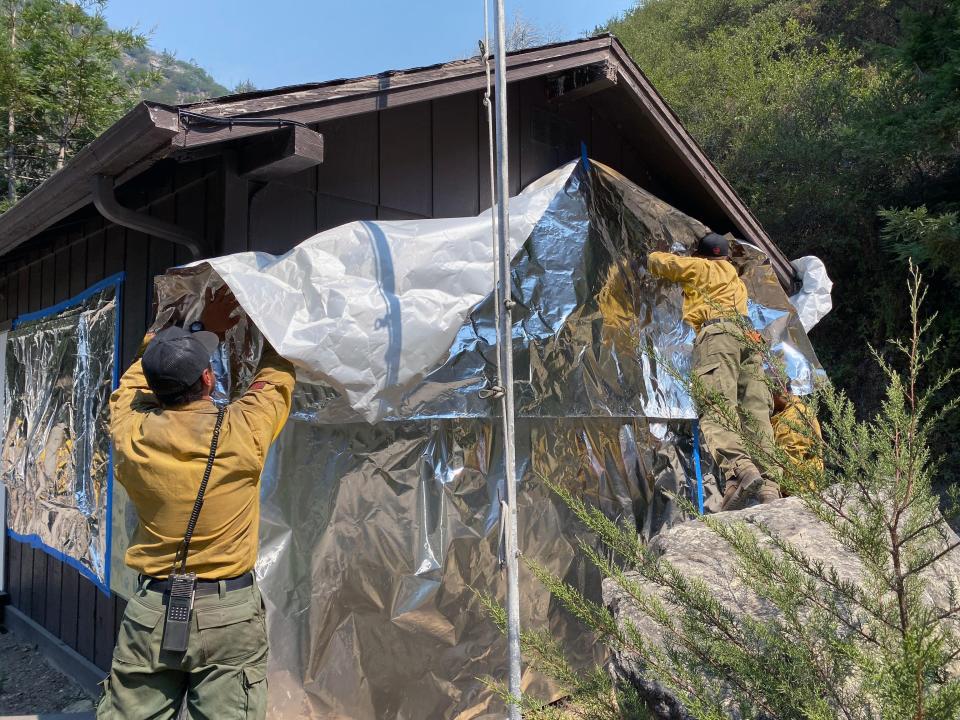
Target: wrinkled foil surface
381	497
58	379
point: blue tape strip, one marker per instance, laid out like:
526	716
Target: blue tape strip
71	302
116	281
35	541
583	155
696	464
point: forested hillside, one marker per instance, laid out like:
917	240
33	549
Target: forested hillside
179	81
66	76
839	123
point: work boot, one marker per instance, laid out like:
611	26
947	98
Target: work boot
747	484
768	493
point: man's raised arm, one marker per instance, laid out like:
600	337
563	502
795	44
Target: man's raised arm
266	403
132	394
675	268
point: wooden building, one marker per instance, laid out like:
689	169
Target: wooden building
166	185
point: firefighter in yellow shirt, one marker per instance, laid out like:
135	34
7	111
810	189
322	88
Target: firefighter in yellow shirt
162	420
797	432
713	298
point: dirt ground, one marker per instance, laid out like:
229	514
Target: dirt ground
28	685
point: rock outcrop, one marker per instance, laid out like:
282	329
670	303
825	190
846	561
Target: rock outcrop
696	551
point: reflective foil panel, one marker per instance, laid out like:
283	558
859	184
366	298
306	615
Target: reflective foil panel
381	498
56	449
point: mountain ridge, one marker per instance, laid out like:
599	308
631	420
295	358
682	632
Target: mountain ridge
183	81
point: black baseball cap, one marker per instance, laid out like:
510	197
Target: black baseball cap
176	358
713	245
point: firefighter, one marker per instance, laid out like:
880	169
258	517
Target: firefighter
797	433
726	363
163	424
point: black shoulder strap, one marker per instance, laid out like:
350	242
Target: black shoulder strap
181	556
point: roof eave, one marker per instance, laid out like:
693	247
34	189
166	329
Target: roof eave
134	139
318	103
151	131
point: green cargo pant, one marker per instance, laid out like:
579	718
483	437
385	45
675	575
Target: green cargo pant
222	674
728	366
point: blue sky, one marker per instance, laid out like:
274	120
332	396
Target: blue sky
284	42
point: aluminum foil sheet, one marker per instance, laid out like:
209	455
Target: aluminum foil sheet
368	307
381	497
59	372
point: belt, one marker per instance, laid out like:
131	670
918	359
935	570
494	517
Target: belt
714	321
204	587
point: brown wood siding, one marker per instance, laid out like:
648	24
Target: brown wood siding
431	159
456	163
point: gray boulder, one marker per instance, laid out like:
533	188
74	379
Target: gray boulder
697	552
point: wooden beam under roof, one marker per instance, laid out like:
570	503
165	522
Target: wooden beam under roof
280	153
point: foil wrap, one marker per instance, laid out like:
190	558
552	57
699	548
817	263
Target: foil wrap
381	497
58	376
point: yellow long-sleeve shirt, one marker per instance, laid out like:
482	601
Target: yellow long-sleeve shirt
159	457
796	432
619	307
711	288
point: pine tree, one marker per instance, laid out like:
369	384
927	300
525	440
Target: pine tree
876	648
61	84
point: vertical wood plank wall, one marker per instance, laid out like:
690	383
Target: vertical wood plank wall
423	160
430	159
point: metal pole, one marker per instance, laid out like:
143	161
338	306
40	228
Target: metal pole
505	354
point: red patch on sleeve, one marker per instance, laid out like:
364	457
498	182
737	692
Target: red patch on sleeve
259	385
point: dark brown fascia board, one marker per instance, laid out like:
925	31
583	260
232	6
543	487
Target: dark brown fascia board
146	129
326	102
388	76
643	92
